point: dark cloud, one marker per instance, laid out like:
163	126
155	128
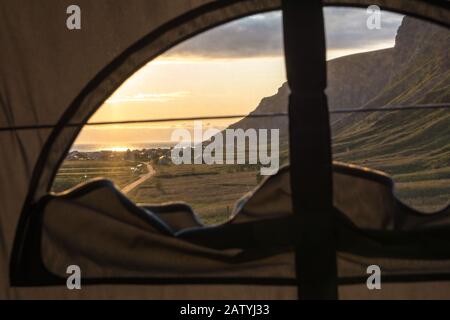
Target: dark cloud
347	28
258	35
261	35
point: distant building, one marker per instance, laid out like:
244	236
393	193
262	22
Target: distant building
163	160
130	155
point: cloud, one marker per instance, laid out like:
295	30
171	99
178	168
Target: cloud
261	35
147	97
254	36
346	29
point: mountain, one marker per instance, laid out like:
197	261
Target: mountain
352	81
413	146
415	71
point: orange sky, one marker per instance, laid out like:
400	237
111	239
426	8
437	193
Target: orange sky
176	86
169	87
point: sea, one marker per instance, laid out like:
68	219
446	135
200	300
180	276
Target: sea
92	147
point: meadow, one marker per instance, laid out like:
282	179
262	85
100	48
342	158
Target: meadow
421	174
211	190
74	172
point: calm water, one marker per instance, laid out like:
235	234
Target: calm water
90	147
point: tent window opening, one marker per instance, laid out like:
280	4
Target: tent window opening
216	125
390	104
233	78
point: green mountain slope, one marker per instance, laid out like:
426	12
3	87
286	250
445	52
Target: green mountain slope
412	146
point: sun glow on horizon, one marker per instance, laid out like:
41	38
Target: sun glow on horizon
184	89
118	149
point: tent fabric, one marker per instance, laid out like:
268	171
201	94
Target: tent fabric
123	243
370	203
39	49
50	75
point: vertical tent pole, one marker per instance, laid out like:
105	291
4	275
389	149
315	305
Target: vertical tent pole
310	149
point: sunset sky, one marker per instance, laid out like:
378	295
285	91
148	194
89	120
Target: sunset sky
224	71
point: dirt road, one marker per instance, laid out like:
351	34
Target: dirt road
143	178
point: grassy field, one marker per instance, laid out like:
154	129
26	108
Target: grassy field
74	172
211	190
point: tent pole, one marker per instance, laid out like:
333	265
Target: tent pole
310	149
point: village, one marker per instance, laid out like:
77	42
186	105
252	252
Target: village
159	156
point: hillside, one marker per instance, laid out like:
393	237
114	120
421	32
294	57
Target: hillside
352	81
412	146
